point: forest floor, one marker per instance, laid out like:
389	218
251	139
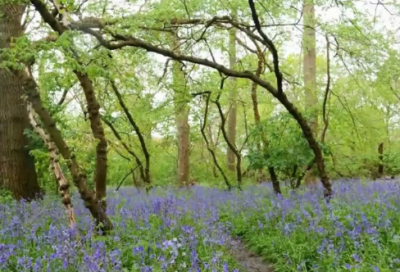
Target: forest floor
248	260
209	229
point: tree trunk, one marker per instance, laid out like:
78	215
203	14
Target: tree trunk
380	166
17	166
230	155
96	125
181	100
307	133
309	71
213	145
63	184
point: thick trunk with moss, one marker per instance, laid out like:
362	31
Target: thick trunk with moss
309	71
182	109
17	166
232	116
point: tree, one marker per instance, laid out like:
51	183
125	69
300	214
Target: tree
182	108
232	116
17	166
309	70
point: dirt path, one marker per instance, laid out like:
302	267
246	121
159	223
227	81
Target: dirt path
249	260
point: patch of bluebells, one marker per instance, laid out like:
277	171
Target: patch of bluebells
358	230
166	231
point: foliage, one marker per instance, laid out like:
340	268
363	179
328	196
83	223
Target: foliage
362	105
286	145
5	197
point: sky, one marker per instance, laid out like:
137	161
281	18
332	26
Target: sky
384	22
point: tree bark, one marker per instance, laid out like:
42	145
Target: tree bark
17	166
309	71
96	125
62	182
232	116
380	166
182	109
213	145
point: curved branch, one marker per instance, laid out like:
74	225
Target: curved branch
230	145
129	150
211	150
122	181
138	133
257	118
118	152
328	83
270	45
324	114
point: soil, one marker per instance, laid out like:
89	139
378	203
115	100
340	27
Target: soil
250	261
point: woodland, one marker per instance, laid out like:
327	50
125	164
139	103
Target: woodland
199	135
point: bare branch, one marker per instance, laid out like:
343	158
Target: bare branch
328	83
202	130
138	133
270	45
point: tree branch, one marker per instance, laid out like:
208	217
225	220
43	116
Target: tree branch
328	83
202	130
129	150
138	132
270	45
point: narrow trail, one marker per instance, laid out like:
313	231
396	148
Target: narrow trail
250	261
